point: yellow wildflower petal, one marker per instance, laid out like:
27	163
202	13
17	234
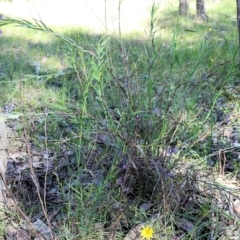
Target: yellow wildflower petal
147	232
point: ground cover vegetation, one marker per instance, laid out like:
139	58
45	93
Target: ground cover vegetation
113	132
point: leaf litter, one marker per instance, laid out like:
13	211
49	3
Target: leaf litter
186	187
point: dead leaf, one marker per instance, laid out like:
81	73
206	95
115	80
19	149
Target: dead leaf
134	233
236	144
236	206
186	225
145	206
17	234
228	132
42	228
17	156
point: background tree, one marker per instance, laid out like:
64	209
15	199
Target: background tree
201	10
183	7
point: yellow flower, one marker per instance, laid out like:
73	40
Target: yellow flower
147	232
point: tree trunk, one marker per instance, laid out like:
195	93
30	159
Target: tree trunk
238	24
183	7
201	10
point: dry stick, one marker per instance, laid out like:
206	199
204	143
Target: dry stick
45	178
105	16
36	182
119	18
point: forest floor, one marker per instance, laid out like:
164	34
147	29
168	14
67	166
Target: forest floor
113	125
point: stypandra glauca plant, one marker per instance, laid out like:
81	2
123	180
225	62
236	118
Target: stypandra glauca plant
147	102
